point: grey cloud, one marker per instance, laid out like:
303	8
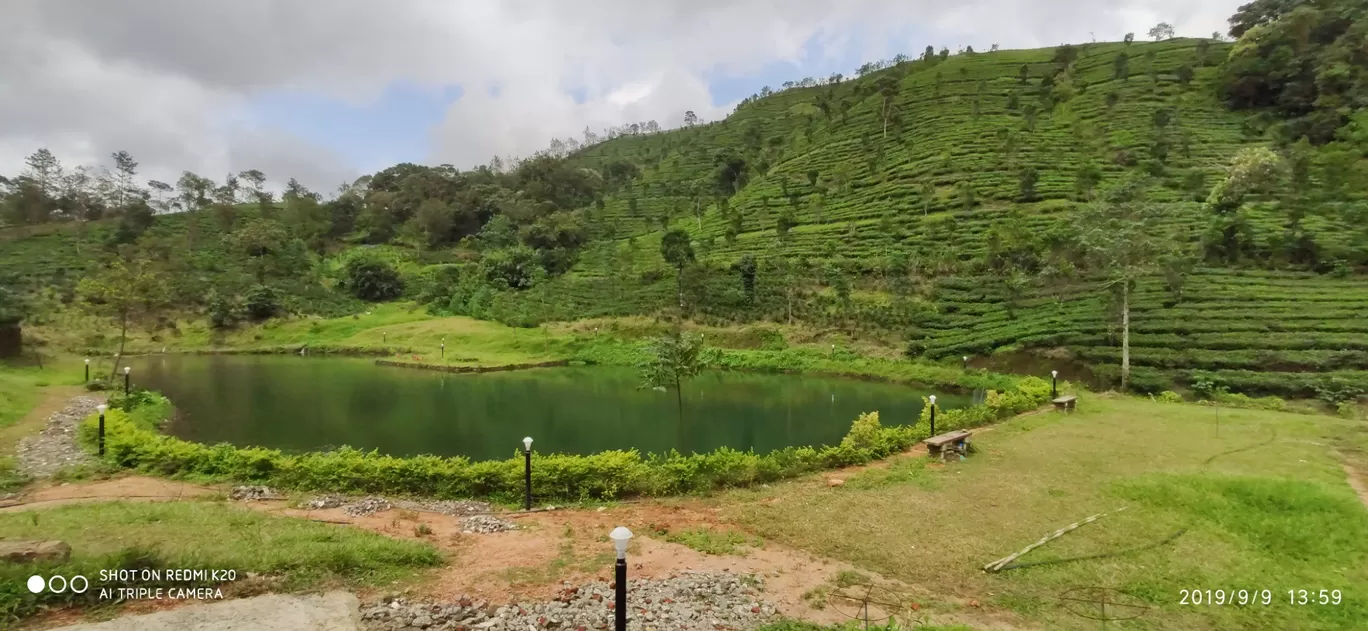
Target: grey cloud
160	78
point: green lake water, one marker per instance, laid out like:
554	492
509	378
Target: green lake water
302	404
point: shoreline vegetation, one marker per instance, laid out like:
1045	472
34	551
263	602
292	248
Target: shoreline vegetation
134	442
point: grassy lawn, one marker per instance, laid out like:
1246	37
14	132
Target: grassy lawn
1264	503
205	535
19	392
386	328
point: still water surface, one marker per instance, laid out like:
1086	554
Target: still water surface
301	404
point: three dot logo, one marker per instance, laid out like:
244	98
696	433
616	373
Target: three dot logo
58	584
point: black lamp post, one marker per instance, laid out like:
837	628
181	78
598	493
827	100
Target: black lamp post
620	536
966	362
127	369
87	365
443	350
527	473
101	408
384	337
933	414
1054	384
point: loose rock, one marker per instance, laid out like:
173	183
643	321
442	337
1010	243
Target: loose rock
54	448
366	506
692	601
252	493
324	502
485	524
455	508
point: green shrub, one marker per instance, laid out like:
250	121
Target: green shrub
1169	396
372	278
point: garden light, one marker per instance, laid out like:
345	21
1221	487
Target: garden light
1054	384
87	365
933	414
527	473
966	362
101	409
127	370
620	536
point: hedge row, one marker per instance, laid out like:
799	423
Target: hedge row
133	442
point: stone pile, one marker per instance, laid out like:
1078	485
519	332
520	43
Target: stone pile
366	506
253	494
323	502
691	601
485	524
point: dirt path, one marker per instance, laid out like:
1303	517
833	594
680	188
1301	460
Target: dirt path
1357	483
54	399
333	611
131	488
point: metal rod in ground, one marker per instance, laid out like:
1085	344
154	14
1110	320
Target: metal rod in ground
997	565
102	433
527	487
620	589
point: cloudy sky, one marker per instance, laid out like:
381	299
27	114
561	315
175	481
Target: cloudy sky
326	90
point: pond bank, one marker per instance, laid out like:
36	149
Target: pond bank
471	369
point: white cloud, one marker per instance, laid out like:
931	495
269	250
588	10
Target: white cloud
167	80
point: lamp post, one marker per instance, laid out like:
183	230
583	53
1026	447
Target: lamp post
933	414
384	337
87	365
966	362
620	536
101	408
1054	384
527	473
443	347
127	369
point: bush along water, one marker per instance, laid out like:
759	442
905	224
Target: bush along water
132	441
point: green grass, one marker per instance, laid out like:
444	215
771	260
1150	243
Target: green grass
709	541
298	554
19	392
1264	505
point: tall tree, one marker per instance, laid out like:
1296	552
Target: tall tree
45	170
1125	238
1162	30
125	168
130	292
677	250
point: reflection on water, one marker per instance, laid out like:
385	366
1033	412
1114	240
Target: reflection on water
301	404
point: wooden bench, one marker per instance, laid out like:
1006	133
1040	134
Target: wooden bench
957	441
1066	403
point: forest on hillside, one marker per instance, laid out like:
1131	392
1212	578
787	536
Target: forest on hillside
897	200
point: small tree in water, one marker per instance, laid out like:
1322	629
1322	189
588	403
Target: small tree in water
672	359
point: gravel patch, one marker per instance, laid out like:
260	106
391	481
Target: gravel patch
366	506
253	493
54	448
485	524
323	502
691	601
455	508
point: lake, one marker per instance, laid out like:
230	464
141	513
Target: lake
303	404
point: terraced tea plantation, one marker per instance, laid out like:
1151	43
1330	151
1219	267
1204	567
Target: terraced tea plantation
1251	331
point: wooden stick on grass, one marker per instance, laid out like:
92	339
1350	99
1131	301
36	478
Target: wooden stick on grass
998	564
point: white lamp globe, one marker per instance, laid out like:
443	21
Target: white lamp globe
933	399
620	536
101	408
527	444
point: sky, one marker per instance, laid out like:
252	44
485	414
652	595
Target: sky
328	90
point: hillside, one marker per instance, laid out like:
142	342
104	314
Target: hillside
928	204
